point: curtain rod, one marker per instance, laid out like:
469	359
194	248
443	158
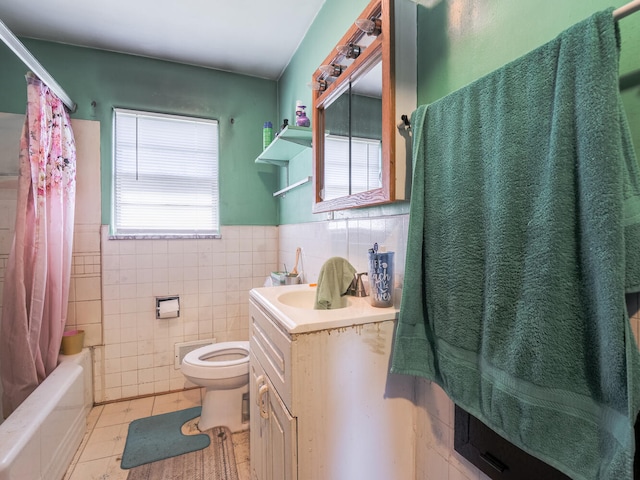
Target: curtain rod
627	9
30	61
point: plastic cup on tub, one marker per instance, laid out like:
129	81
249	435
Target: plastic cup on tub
72	342
381	278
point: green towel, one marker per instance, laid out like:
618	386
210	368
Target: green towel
333	280
524	227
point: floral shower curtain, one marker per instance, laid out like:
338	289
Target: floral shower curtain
37	276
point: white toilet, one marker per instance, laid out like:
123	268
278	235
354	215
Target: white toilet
223	369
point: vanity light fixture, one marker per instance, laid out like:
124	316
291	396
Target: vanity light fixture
370	26
332	70
319	85
349	51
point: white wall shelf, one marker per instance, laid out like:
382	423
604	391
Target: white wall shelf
289	143
292	186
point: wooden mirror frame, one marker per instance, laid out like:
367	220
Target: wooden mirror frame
381	48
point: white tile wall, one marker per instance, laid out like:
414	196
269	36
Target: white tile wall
85	290
436	459
8	202
85	295
348	238
212	277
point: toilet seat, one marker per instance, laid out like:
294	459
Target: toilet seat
201	363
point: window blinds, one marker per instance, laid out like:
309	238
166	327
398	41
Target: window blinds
165	175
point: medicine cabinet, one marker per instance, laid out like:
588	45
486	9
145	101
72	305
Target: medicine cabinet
361	147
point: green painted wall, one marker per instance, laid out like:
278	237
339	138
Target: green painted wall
98	81
333	20
458	42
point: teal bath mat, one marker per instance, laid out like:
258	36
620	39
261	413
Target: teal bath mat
158	437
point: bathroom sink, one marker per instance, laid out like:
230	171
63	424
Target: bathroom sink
291	306
306	299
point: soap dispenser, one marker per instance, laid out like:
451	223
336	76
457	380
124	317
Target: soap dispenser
301	117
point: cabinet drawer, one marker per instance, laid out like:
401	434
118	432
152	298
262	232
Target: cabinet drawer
272	348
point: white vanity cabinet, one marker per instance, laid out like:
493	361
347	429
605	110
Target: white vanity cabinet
272	428
323	405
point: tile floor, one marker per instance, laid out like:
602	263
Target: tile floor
98	457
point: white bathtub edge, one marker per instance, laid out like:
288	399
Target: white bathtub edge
40	437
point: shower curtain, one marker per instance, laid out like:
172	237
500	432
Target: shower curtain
37	276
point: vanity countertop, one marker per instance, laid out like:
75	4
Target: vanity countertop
304	319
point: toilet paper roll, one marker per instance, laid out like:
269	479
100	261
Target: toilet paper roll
168	308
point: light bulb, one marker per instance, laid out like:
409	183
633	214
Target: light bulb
369	26
318	85
349	51
332	70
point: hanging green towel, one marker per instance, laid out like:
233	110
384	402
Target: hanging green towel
524	227
334	278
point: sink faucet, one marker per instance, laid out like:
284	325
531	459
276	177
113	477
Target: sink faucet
356	289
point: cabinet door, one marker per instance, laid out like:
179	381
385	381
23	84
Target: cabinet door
258	427
272	429
282	462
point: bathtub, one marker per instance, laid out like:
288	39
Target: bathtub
39	439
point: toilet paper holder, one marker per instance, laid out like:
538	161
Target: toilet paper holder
168	307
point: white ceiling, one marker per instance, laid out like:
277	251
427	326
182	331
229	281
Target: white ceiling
251	37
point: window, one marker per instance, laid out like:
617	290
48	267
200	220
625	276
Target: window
165	175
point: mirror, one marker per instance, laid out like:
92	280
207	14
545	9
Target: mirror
353	126
353	138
